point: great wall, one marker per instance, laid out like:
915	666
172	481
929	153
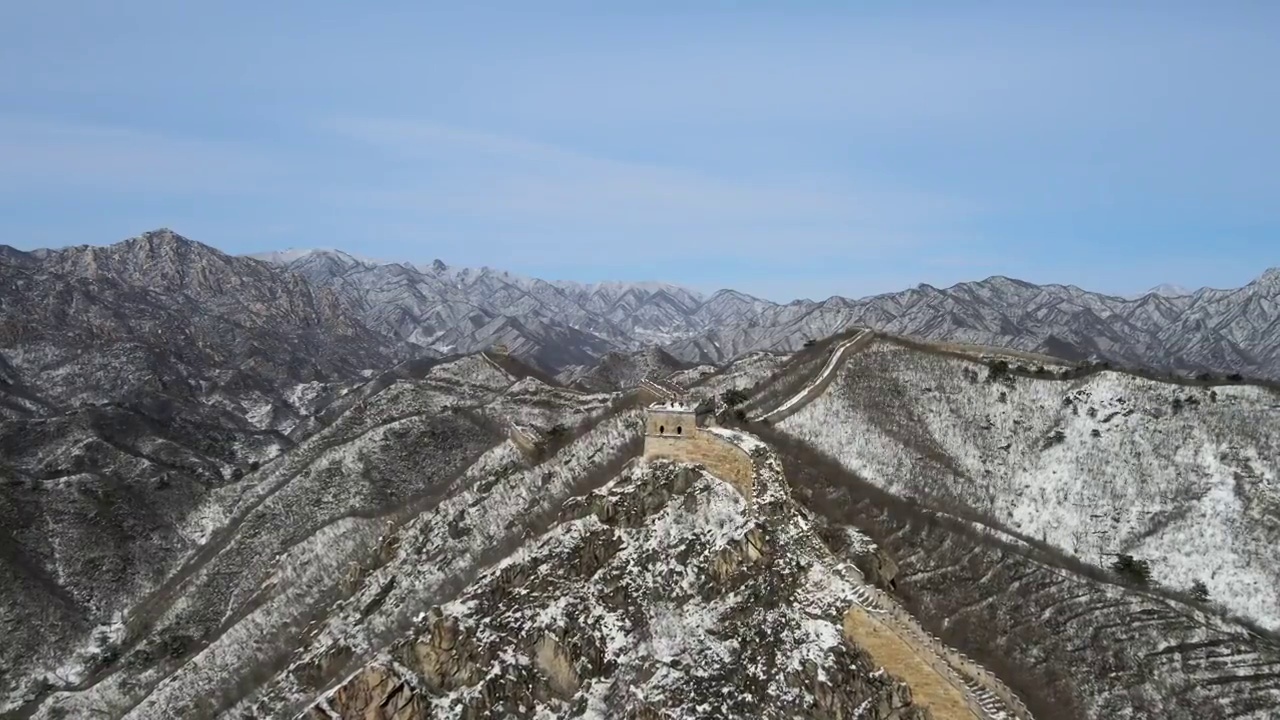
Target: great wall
949	683
820	381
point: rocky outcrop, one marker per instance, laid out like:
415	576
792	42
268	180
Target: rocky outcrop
382	692
875	562
663	595
878	567
445	656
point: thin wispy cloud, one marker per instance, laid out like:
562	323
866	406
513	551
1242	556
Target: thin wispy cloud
514	180
824	148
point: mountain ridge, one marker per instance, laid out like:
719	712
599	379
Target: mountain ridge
436	309
254	486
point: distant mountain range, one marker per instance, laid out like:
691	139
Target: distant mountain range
446	309
390	311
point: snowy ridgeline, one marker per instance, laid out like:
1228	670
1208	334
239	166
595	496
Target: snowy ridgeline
360	441
265	412
325	505
672	602
495	495
741	373
528	401
1183	477
688	377
475	374
448	544
473	378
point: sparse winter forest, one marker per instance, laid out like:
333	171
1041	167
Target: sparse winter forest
1043	621
1181	477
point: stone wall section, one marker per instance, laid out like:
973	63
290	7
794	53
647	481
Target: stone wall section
826	375
931	681
667	423
978	691
962	688
991	695
721	458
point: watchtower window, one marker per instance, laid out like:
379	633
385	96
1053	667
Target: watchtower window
662	429
679	430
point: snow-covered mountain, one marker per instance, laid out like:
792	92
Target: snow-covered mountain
446	309
235	490
161	313
1211	330
1184	476
407	562
438	310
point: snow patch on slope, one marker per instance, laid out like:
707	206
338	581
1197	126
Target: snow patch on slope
1185	477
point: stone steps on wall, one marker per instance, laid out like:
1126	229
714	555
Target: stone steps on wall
989	702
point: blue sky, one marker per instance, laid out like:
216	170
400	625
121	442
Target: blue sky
785	149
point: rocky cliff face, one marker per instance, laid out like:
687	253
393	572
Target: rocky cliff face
161	314
662	595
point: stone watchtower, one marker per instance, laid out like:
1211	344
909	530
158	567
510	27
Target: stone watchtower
670	420
671	432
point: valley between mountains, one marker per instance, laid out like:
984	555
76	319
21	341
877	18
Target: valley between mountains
312	486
